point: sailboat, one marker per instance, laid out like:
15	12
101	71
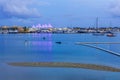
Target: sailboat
110	34
97	32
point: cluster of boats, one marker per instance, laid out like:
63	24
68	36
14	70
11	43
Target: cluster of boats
108	34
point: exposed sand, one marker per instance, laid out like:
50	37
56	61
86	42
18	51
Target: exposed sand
65	65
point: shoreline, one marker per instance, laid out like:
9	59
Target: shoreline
65	65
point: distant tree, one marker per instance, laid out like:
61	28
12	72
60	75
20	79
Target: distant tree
25	28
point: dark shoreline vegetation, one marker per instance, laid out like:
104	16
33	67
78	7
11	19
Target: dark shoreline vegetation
65	65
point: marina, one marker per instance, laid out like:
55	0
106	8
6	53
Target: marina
60	40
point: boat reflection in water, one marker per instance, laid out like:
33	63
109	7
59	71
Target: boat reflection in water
97	33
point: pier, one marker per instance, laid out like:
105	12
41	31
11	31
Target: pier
99	48
97	43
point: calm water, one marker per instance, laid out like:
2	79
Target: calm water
33	48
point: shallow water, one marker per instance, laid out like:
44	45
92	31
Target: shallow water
33	48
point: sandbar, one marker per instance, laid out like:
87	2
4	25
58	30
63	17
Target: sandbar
65	65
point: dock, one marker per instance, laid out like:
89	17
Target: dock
99	48
97	43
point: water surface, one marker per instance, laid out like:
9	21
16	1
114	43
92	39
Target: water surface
33	48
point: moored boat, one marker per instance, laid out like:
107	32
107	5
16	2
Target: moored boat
110	35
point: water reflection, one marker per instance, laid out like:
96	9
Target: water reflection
41	42
40	36
26	42
42	45
42	48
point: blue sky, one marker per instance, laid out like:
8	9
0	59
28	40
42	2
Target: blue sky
60	13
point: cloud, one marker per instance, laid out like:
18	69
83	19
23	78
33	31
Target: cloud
115	8
20	8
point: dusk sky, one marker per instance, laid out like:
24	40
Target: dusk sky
60	13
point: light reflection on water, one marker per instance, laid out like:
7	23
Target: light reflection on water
33	48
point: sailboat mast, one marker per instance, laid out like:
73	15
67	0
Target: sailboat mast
97	23
110	24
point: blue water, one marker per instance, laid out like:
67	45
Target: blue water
33	48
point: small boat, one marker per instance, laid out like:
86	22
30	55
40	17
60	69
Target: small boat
43	38
110	35
58	42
